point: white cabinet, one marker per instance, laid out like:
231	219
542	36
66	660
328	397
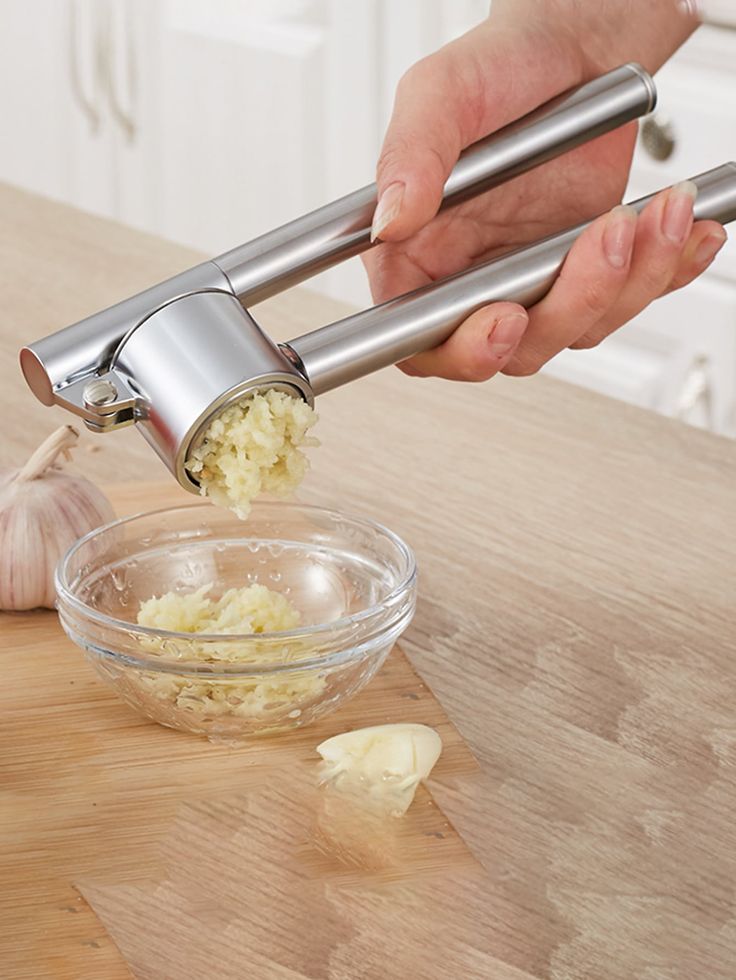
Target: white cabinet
87	141
133	106
266	111
679	356
269	110
36	109
209	123
74	120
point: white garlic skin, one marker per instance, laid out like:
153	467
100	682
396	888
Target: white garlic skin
40	519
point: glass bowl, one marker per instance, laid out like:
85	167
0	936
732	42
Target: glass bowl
352	581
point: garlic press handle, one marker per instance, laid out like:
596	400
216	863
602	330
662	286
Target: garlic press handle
315	242
417	321
58	367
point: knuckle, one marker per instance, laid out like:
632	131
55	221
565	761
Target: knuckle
416	75
404	83
521	367
683	277
428	163
435	163
411	370
588	341
472	372
653	280
593	297
393	154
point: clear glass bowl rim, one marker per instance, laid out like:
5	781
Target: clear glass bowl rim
64	593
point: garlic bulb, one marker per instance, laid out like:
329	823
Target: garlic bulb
43	511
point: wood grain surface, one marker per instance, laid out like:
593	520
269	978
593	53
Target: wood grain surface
159	830
576	622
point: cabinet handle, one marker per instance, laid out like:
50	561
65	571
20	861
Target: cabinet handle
124	115
658	136
88	104
697	393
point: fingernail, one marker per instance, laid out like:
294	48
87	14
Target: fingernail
619	234
387	209
506	334
709	248
678	212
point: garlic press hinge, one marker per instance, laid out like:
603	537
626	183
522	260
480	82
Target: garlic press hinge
104	402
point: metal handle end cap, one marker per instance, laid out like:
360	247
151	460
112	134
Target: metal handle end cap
35	374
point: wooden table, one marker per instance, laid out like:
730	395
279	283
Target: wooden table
576	617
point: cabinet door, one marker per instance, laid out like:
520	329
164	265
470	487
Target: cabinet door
87	139
266	112
270	109
54	135
677	358
693	127
35	96
695	329
133	104
414	28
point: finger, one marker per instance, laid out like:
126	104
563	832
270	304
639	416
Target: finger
478	349
664	228
420	148
706	241
590	282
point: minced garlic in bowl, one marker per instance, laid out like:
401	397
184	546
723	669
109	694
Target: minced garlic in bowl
230	631
253	447
252	609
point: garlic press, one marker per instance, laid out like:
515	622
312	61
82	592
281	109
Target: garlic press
173	357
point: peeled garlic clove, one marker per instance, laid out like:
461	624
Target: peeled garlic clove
385	763
43	510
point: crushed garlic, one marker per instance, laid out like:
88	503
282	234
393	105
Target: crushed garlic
252	609
253	448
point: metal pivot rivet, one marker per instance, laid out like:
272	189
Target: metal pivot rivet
658	136
100	392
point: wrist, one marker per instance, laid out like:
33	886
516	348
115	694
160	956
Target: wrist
600	34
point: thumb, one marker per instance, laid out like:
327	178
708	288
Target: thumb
466	90
422	144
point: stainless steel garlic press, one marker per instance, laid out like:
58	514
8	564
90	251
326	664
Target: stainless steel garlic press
173	357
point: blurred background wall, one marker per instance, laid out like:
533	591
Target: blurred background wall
211	122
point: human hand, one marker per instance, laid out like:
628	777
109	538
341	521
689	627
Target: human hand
523	55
